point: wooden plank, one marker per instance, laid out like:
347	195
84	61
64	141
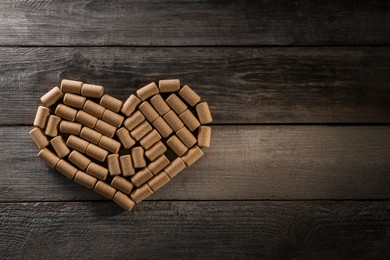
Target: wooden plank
244	162
242	85
196	230
161	23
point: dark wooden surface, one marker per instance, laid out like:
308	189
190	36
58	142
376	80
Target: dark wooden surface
299	166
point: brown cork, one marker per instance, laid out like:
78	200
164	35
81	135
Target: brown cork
203	111
126	165
96	152
94	108
176	104
52	126
41	117
176	145
86	119
109	144
112	118
85	179
70	128
104	189
155	151
48	157
114	167
97	171
93	91
141	130
175	167
105	128
122	184
147	91
111	103
192	155
123	201
39	138
51	97
134	120
204	136
189	95
189	120
173	120
150	139
169	85
186	137
66	112
90	135
68	170
158	181
160	105
73	100
148	111
137	153
130	105
141	177
71	86
59	146
141	193
157	165
125	138
77	143
79	160
162	127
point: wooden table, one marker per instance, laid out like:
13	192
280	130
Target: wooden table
300	159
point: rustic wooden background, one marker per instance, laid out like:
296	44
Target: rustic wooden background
300	159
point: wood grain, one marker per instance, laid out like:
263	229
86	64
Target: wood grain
244	163
242	85
164	23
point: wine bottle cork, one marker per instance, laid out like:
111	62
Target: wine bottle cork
90	135
159	104
176	104
141	130
130	105
141	193
159	164
192	155
70	128
204	136
189	120
68	170
79	160
148	111
94	108
155	151
77	143
162	127
169	85
141	177
147	91
203	111
122	184
123	201
114	167
84	179
150	139
134	120
39	138
97	171
104	189
176	145
137	153
86	119
105	128
41	117
73	100
126	165
59	146
96	152
112	118
173	120
109	144
189	95
175	167
111	103
92	91
66	112
71	86
125	138
186	137
48	157
52	126
51	97
158	181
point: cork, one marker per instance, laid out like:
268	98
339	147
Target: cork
147	91
70	128
203	111
189	120
94	108
85	179
141	177
73	100
204	136
97	171
162	127
114	167
186	137
125	138
86	119
175	167
111	103
92	91
130	105
150	139
109	144
176	145
189	95
134	120
122	184
123	201
112	118
159	104
192	155
173	120
66	112
104	189
96	152
90	135
79	160
59	146
51	97
157	165
176	104
155	151
52	126
41	117
77	143
126	165
148	111
158	181
39	138
141	193
169	85
105	128
141	130
68	170
71	86
48	157
137	153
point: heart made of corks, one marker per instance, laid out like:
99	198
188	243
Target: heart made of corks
123	151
